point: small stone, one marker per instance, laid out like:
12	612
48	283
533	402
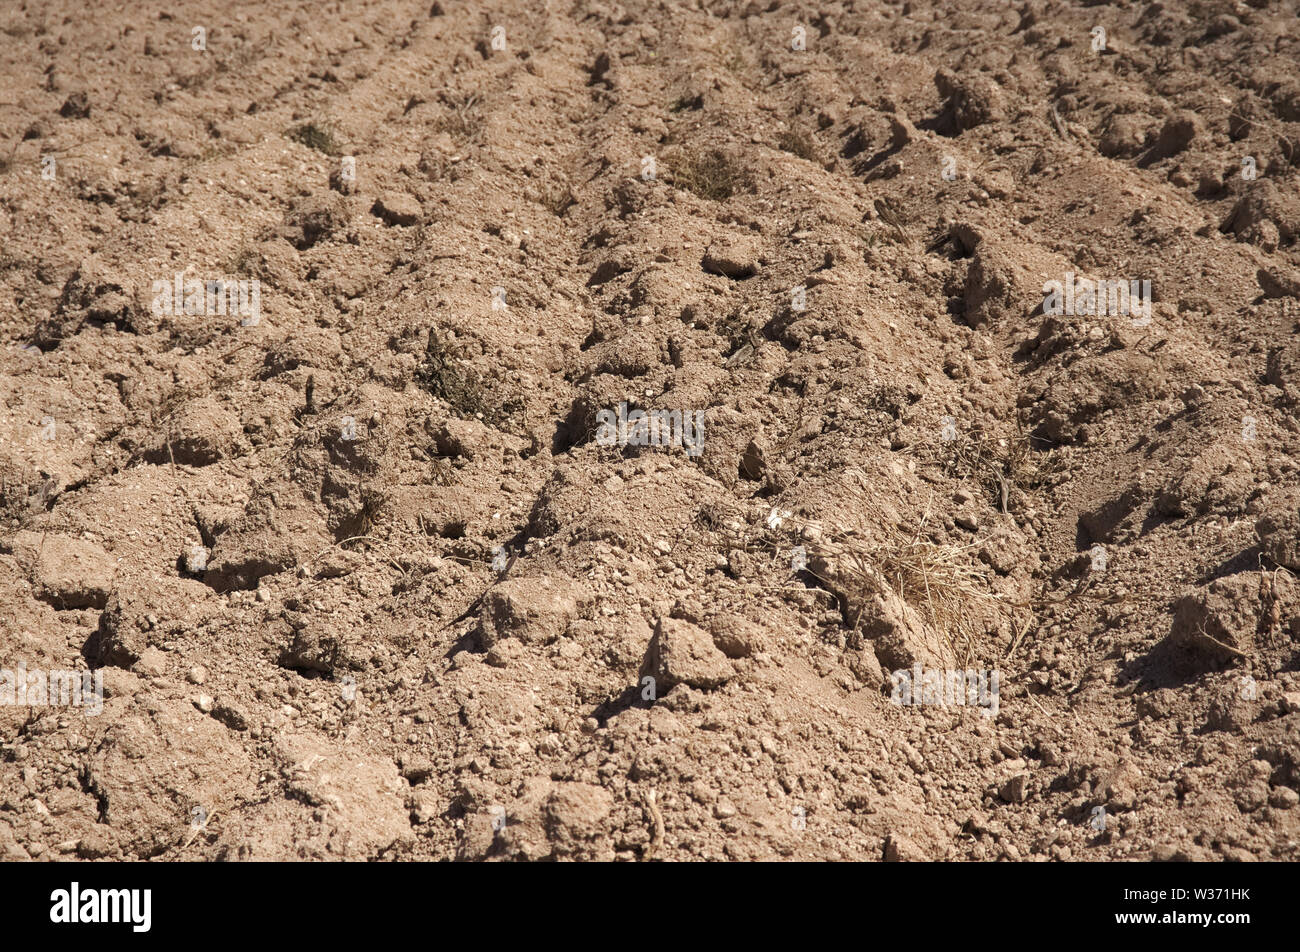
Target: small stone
735	636
204	703
96	845
196	559
505	651
427	809
899	849
1252	796
735	257
534	610
152	663
683	653
1121	799
397	208
1217	621
344	182
68	572
203	431
1284	798
76	106
1175	135
231	716
197	674
1015	790
1194	397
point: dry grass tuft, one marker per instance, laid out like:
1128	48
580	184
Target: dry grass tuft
443	378
316	135
710	173
998	466
941	581
462	118
797	143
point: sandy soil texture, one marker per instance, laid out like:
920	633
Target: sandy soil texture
635	431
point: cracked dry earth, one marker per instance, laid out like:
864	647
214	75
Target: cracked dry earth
363	579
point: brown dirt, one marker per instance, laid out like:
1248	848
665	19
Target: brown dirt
364	581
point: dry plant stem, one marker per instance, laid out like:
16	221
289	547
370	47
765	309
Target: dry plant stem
926	575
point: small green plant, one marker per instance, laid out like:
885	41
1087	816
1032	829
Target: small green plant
314	135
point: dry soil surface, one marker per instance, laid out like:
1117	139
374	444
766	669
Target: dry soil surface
368	574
